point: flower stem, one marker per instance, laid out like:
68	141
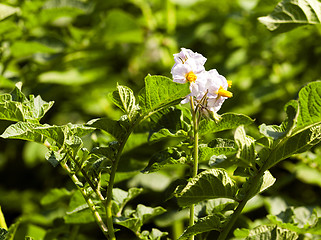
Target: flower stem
195	157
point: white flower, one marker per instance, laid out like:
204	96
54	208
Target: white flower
209	89
189	68
185	54
216	90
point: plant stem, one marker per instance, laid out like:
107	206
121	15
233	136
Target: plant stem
110	187
256	181
195	157
88	180
89	201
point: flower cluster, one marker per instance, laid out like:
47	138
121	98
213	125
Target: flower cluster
208	88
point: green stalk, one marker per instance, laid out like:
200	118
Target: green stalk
110	187
252	191
89	201
195	157
2	221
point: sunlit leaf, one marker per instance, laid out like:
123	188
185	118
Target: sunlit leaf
35	132
160	92
209	184
78	211
165	133
225	122
309	104
165	158
271	232
17	107
300	220
124	98
146	213
307	131
115	128
135	219
289	14
216	148
3	224
157	234
268	181
121	197
246	148
256	185
209	223
6	11
61	12
24	49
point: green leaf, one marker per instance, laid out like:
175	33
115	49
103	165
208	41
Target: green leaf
54	195
273	131
271	232
3	224
300	220
206	224
146	213
246	146
78	130
54	157
35	132
160	92
165	133
122	27
170	122
268	181
134	220
79	211
307	130
216	148
260	184
61	12
133	224
157	234
6	11
309	104
169	157
297	143
117	129
121	197
290	14
124	98
25	49
17	107
70	77
209	184
227	121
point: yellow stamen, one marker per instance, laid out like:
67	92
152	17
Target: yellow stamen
191	77
224	93
229	83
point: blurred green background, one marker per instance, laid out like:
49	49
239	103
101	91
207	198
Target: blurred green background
75	52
